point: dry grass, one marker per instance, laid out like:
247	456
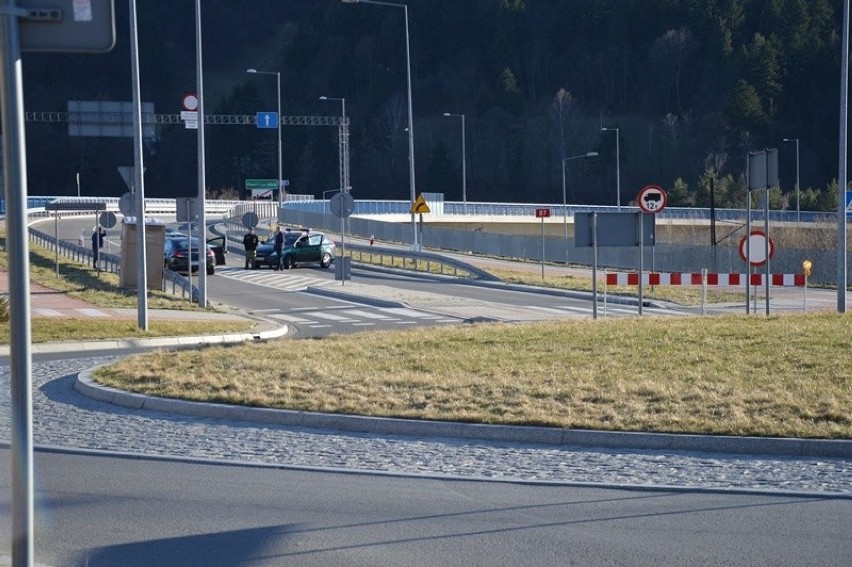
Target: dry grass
736	375
67	328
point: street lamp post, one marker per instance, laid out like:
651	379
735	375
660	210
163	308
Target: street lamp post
344	143
564	195
798	210
280	169
617	165
464	162
410	112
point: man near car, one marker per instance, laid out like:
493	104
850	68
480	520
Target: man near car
279	246
250	244
98	235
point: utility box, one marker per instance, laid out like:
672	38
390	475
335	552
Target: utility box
155	236
343	268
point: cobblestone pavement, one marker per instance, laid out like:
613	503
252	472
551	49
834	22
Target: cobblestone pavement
62	417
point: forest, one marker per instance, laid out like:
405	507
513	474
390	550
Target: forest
672	92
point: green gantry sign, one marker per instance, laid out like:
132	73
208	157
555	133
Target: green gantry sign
265	184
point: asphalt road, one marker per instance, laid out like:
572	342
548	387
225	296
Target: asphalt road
106	510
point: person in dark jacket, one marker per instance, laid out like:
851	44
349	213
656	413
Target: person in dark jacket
98	235
250	244
279	246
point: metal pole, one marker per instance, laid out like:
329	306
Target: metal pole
138	169
410	127
410	110
798	208
542	247
841	177
280	165
20	356
464	170
618	169
564	202
202	221
594	265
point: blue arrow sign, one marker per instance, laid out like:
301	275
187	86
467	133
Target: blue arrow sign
267	120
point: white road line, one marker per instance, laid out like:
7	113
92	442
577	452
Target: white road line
367	314
290	318
405	312
334	317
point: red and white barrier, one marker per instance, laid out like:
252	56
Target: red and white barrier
695	279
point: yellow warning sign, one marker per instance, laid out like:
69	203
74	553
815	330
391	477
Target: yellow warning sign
420	205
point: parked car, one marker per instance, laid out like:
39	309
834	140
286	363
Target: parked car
299	248
176	255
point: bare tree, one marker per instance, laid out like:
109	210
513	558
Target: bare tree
668	56
565	116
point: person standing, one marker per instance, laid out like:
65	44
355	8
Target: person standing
279	246
250	244
98	235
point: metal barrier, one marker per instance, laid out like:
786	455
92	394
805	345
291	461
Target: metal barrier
109	262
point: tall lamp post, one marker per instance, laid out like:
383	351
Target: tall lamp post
617	165
344	143
798	211
280	170
564	195
464	162
410	112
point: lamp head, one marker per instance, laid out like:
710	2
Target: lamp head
349	1
323	98
592	154
251	70
447	114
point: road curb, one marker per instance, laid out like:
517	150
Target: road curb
156	342
500	433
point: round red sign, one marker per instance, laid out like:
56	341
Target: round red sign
753	248
652	199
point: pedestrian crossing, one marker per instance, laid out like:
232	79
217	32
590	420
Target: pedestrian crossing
285	280
362	317
389	317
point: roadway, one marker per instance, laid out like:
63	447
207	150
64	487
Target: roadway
97	510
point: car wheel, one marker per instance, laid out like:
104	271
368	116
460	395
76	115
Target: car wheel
288	262
211	270
325	262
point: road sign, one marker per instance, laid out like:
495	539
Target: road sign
67	25
250	219
261	184
342	205
652	199
107	219
267	120
420	206
542	213
189	102
125	204
753	248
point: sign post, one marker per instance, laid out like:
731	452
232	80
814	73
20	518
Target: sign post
419	207
542	214
651	199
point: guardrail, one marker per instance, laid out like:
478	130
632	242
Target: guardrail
399	258
109	262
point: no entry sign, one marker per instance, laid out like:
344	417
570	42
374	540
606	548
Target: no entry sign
753	248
